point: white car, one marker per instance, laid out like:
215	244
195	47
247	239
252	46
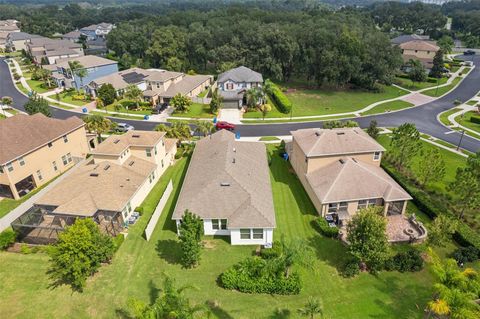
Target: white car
124	127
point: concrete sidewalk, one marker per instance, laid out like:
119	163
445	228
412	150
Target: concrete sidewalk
6	220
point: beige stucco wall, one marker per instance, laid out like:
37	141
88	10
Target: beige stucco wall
420	54
42	159
19	45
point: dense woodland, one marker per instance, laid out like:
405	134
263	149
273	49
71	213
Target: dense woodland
285	40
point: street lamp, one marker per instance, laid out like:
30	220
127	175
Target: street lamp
461	138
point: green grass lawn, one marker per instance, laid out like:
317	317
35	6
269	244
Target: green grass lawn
204	93
415	86
67	97
268	138
38	86
111	108
197	110
473	102
444	116
121	116
388	107
444	89
138	267
268	121
464	120
311	102
2	117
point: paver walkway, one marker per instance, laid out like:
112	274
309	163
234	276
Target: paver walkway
418	98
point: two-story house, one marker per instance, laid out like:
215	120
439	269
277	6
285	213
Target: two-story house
340	170
17	41
96	31
228	186
35	148
233	84
416	47
48	51
95	67
107	188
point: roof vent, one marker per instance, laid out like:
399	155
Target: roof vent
233	160
340	133
135	135
131	163
106	167
341	161
353	159
317	133
224	184
94	174
116	141
234	150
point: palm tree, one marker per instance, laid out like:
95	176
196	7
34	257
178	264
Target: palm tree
77	69
311	308
134	93
6	101
98	124
204	127
45	75
254	97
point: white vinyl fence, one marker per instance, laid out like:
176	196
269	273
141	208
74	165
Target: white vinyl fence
158	211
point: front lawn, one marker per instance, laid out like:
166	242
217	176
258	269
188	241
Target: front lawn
465	120
415	86
121	109
388	107
137	269
38	86
444	116
312	102
67	97
197	110
444	89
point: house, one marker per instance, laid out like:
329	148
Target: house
3	40
9	25
233	83
107	187
95	66
158	86
48	51
95	31
35	148
340	170
228	186
96	47
414	47
17	41
73	36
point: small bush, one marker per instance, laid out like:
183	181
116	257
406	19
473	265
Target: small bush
466	254
475	119
24	249
351	269
16	76
409	260
118	241
280	100
139	210
269	253
7	238
325	229
79	97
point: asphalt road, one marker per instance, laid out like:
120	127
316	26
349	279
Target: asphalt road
424	116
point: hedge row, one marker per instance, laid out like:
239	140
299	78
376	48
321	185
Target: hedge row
280	100
325	229
475	119
464	235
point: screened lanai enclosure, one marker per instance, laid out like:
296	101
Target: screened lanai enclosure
39	225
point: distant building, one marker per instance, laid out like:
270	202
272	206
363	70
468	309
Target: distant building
415	47
9	25
73	36
17	41
95	31
48	51
233	83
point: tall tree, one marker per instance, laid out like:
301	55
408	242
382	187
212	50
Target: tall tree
191	230
204	127
133	93
78	254
78	70
405	144
366	234
441	230
417	72
37	104
216	102
446	44
98	124
373	129
466	189
107	93
438	65
432	166
181	103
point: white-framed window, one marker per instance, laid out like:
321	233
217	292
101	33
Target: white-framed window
125	213
69	157
21	161
64	160
148	151
54	164
155	149
218	224
162	162
335	207
65	139
376	156
257	233
366	203
1	169
342	206
9	167
245	233
129	207
372	202
39	175
332	207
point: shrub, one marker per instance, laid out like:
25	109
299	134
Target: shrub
139	210
270	253
118	241
280	100
325	229
475	119
7	238
409	260
466	254
79	97
351	269
24	249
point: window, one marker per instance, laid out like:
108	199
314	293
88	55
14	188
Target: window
245	234
125	213
54	164
362	204
332	207
9	167
343	206
21	161
162	162
149	152
223	224
129	207
372	202
64	160
257	233
215	224
50	144
39	175
65	138
155	149
376	156
69	157
1	170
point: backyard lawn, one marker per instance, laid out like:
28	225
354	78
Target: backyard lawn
388	107
138	267
415	86
197	110
311	102
464	120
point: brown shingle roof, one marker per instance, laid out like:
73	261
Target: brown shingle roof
87	61
93	187
186	85
116	144
350	180
21	134
339	141
228	179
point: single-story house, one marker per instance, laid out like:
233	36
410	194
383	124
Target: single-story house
228	186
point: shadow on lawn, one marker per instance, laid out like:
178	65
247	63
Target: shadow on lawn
169	251
329	250
217	311
281	314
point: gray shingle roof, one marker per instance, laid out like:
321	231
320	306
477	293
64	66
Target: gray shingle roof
240	74
228	179
17	36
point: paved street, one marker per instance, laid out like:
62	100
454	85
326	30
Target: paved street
424	117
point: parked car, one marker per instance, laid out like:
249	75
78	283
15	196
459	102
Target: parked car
124	127
222	125
469	52
160	108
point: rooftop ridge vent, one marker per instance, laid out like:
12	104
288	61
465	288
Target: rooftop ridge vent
340	133
94	174
341	161
106	167
225	184
317	133
116	141
131	163
135	136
